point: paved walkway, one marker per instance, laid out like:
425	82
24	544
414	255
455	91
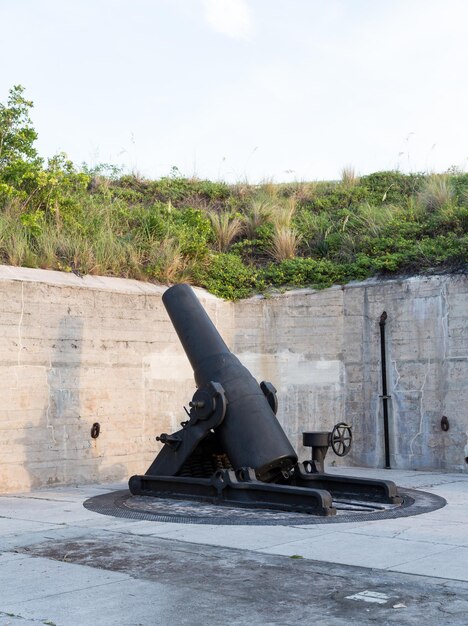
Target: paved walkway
62	564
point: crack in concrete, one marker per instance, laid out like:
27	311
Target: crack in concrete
398	376
421	410
444	320
39	620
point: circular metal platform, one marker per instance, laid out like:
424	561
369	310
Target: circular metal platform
124	504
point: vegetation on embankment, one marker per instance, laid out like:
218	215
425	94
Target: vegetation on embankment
234	240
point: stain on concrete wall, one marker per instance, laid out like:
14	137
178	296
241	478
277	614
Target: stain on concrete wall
296	341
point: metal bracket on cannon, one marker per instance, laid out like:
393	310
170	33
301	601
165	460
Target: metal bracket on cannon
207	411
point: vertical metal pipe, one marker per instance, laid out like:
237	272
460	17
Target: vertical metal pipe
384	396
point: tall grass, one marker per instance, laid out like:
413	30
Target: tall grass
315	229
15	240
371	219
283	212
284	244
166	262
349	178
257	214
285	238
436	192
225	228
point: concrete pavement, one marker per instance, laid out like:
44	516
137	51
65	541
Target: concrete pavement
65	565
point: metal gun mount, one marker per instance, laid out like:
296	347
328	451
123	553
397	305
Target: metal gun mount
232	449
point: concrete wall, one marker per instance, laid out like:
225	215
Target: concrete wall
296	341
427	354
322	351
75	351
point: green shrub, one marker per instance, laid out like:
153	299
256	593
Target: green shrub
337	196
391	186
228	277
304	272
193	230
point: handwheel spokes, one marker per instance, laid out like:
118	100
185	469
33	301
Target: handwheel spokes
341	438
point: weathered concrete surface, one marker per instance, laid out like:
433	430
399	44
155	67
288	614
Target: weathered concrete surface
65	565
194	584
75	351
322	351
427	343
295	340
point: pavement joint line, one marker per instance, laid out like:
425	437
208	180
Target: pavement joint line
33	521
452	482
397	537
420	558
444	578
275	545
33	497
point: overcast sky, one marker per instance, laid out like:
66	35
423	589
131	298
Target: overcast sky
244	89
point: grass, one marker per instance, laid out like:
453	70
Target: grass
238	239
349	178
436	192
256	215
284	243
225	229
283	212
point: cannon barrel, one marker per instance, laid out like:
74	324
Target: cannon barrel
250	432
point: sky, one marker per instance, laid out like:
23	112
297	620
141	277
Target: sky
243	90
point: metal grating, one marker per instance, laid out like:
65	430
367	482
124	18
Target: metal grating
124	504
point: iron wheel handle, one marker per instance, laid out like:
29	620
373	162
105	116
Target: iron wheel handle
341	438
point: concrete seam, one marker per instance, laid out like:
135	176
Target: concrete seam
20	337
49	425
444	321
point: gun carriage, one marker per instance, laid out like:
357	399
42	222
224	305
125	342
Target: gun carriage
232	449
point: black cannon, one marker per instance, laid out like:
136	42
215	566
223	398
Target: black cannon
232	448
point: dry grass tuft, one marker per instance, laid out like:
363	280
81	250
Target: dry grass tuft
282	213
258	213
167	263
436	193
349	178
285	243
226	228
